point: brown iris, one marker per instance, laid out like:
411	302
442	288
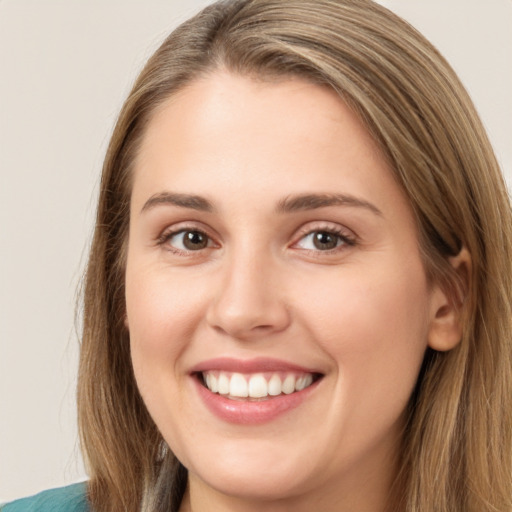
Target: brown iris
194	240
323	240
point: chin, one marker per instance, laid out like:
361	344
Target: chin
254	483
254	470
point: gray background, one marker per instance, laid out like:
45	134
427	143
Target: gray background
65	68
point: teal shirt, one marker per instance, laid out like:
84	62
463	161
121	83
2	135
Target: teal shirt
65	499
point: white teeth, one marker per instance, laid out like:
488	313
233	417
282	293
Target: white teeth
255	386
258	386
211	382
288	385
223	384
299	384
274	385
238	386
303	382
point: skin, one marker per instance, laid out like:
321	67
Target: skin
362	314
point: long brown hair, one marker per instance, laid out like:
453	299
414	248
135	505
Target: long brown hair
457	447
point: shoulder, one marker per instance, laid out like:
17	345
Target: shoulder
71	498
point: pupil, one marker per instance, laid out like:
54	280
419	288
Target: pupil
194	240
324	240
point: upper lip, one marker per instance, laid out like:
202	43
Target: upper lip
255	365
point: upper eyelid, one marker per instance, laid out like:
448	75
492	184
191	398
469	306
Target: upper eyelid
179	227
332	227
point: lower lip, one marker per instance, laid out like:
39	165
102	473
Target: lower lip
251	412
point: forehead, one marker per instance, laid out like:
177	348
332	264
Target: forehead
231	132
228	109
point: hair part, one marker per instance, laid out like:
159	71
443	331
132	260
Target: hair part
458	442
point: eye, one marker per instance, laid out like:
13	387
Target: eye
323	240
187	240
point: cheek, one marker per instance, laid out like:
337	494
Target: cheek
374	326
161	322
162	314
370	305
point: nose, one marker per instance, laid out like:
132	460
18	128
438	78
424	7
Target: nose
250	301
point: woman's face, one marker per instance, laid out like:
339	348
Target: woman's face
272	254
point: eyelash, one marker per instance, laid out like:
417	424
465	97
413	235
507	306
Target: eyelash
345	240
167	235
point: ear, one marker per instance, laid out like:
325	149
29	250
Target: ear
446	327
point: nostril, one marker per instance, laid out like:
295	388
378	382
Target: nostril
262	327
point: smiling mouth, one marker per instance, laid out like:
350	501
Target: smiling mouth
256	386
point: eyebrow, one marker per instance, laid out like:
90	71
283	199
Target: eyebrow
313	201
289	204
190	201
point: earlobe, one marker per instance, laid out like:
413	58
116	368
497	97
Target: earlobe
445	331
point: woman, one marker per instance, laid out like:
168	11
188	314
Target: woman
298	294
